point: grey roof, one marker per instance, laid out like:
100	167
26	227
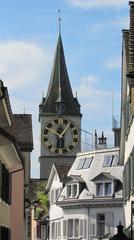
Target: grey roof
21	129
103	174
59	89
62	170
76	178
96	170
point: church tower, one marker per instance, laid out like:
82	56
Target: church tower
60	118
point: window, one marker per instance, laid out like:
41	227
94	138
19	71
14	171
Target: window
54	194
80	164
72	190
108	188
70	228
100	225
104	188
87	162
107	160
115	160
74	228
84	163
99	191
59	229
53	230
68	191
42	231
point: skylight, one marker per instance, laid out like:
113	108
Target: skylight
84	163
107	160
87	162
115	160
80	164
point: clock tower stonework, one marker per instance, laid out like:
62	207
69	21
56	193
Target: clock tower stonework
60	118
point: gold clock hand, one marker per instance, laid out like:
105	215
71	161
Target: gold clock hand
53	131
61	135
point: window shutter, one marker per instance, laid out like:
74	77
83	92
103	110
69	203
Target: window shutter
56	230
109	223
84	228
64	228
59	229
81	228
92	225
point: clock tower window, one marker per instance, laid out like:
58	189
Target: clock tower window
60	107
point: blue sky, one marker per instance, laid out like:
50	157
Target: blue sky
92	39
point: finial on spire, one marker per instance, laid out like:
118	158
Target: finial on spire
59	20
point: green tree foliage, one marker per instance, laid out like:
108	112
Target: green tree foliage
42	199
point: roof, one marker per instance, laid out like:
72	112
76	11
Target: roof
59	87
8	150
103	174
76	178
96	170
5	107
21	129
62	170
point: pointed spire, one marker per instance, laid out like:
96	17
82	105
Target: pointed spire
59	91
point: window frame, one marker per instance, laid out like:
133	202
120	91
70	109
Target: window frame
105	164
80	227
71	186
99	222
103	183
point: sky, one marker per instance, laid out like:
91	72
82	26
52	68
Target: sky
92	38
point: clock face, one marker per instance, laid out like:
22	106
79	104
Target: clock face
60	136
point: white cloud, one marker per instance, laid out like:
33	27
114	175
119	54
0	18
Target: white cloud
88	4
117	22
22	63
122	21
86	88
114	63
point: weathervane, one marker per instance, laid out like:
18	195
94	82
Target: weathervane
59	19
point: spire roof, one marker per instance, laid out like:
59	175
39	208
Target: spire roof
59	89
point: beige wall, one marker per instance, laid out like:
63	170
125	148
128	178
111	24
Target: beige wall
17	207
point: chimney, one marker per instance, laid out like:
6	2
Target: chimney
95	139
102	142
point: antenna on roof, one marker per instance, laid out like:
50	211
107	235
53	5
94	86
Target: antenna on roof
24	110
112	107
59	20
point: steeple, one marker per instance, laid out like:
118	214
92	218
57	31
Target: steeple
59	98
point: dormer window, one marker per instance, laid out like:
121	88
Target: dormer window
72	190
104	188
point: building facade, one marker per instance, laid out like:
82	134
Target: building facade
11	169
88	203
60	118
127	123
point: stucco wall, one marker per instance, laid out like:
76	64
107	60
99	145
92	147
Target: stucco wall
17	207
